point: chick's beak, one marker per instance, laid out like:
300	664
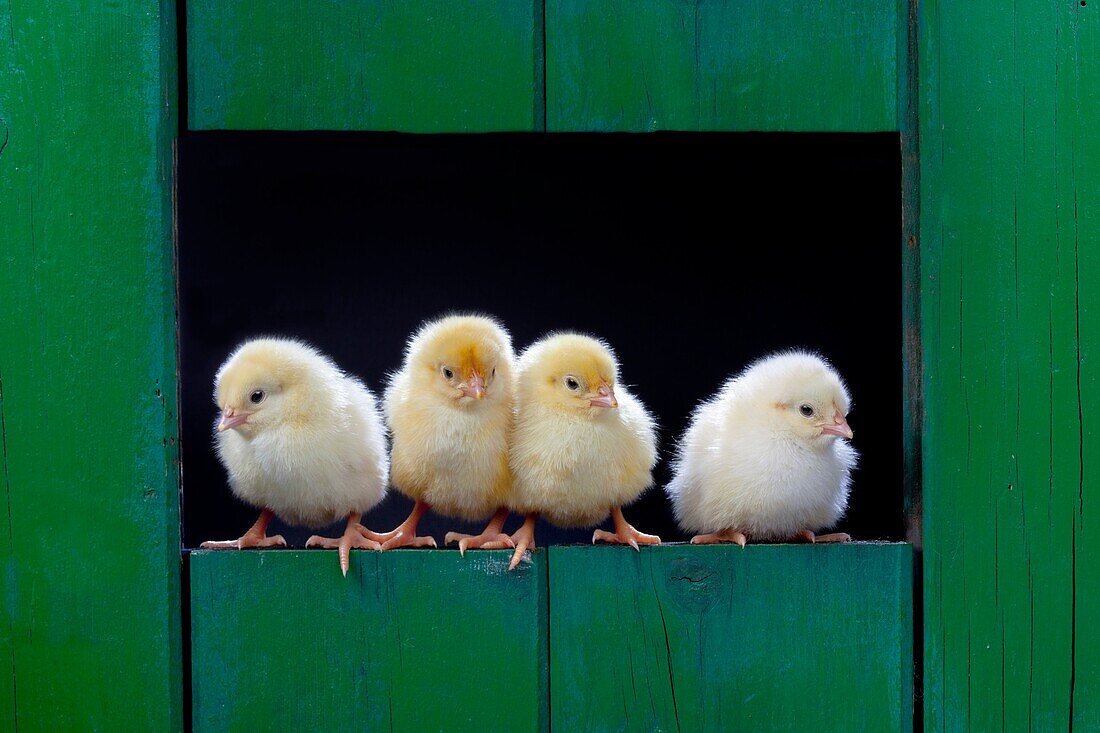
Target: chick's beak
475	387
231	419
839	428
604	397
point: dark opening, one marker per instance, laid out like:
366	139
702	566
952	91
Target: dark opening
692	254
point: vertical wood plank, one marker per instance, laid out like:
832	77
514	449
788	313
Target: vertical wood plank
1010	184
89	537
769	637
413	66
644	65
410	640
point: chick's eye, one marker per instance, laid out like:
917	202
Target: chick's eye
572	383
806	410
257	397
448	373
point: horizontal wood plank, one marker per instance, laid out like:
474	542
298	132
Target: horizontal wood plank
410	640
769	637
737	65
415	66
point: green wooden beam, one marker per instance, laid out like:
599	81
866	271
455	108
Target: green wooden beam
1010	252
412	66
769	637
410	640
89	497
643	65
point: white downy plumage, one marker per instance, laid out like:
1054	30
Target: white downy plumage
313	449
765	456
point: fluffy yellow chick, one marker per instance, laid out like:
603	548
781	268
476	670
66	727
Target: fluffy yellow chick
583	446
299	439
767	458
449	409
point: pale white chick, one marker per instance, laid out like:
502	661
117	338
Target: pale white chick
583	445
449	409
300	440
767	458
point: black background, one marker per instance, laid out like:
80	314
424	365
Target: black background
692	254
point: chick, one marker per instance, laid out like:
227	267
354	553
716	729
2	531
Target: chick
299	439
583	445
767	457
449	409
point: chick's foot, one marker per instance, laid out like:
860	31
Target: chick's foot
352	538
717	538
491	539
523	539
809	536
256	536
405	533
244	542
624	533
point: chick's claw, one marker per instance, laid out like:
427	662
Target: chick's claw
403	538
624	533
484	541
523	539
376	536
344	545
724	537
631	537
256	536
809	536
245	542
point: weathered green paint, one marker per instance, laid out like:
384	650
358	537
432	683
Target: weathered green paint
89	497
413	66
1010	256
769	637
912	397
410	640
642	65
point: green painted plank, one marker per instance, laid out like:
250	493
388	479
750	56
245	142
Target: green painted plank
414	66
769	637
411	640
1010	185
89	544
912	394
643	65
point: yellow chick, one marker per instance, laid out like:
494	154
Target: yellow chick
449	410
301	440
583	446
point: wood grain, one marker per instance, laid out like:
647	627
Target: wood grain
1010	252
735	65
89	494
410	640
769	637
415	66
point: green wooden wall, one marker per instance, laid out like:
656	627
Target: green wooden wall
410	640
414	66
584	639
1006	260
604	65
89	537
644	65
1010	254
769	637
